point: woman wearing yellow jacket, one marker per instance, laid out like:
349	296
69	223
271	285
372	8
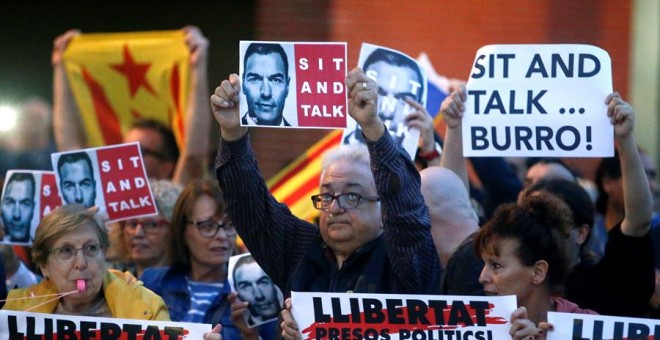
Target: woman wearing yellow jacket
69	249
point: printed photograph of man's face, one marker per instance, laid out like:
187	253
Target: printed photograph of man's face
18	204
77	182
256	288
266	78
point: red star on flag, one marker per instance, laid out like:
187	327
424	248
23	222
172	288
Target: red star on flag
135	73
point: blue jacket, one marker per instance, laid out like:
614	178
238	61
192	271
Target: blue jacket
170	284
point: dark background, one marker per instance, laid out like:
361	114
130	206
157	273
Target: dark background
27	31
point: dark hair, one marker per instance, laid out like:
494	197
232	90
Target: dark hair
22	177
576	198
247	259
609	167
395	59
74	158
540	224
183	208
264	49
169	149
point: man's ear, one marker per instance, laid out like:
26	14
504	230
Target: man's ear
540	272
583	233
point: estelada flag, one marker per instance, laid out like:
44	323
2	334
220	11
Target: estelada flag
117	78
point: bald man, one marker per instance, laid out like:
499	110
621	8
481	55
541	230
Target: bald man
452	216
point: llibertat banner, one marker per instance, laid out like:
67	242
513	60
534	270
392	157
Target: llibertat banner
538	101
293	84
24	325
112	178
27	196
600	327
117	78
388	316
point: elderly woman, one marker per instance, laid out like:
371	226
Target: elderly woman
138	244
69	249
524	248
195	287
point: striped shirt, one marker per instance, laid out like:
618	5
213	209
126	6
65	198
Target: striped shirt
202	295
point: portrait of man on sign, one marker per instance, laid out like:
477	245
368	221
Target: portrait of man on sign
76	176
399	78
18	203
256	288
265	84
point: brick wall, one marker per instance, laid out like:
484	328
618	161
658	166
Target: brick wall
450	32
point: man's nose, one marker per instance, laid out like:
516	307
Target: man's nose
334	207
78	194
16	212
266	90
258	294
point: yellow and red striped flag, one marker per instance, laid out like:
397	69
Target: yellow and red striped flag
119	77
294	184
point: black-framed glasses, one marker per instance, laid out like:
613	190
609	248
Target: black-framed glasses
210	227
65	254
348	200
154	153
148	226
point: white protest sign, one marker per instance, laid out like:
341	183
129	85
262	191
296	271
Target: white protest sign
27	196
24	325
293	84
255	287
538	100
398	77
112	178
389	316
599	327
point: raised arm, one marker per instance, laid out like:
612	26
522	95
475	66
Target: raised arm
67	123
195	148
422	121
637	199
452	109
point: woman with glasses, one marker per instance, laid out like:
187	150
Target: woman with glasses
138	244
69	249
195	286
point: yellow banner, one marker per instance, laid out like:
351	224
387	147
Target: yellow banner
117	78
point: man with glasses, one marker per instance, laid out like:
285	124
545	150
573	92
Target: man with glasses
374	229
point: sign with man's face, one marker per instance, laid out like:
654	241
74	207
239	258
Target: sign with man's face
399	78
256	288
112	178
24	192
285	84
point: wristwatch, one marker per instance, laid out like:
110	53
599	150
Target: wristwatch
431	155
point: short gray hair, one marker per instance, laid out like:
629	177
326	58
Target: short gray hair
353	153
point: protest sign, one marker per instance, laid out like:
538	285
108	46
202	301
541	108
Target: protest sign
25	191
399	77
538	101
599	327
24	325
255	287
293	84
388	316
115	172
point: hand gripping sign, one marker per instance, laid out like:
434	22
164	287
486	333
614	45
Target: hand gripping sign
112	178
538	100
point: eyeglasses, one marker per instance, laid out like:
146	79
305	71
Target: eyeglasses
92	251
209	228
157	154
148	226
349	200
